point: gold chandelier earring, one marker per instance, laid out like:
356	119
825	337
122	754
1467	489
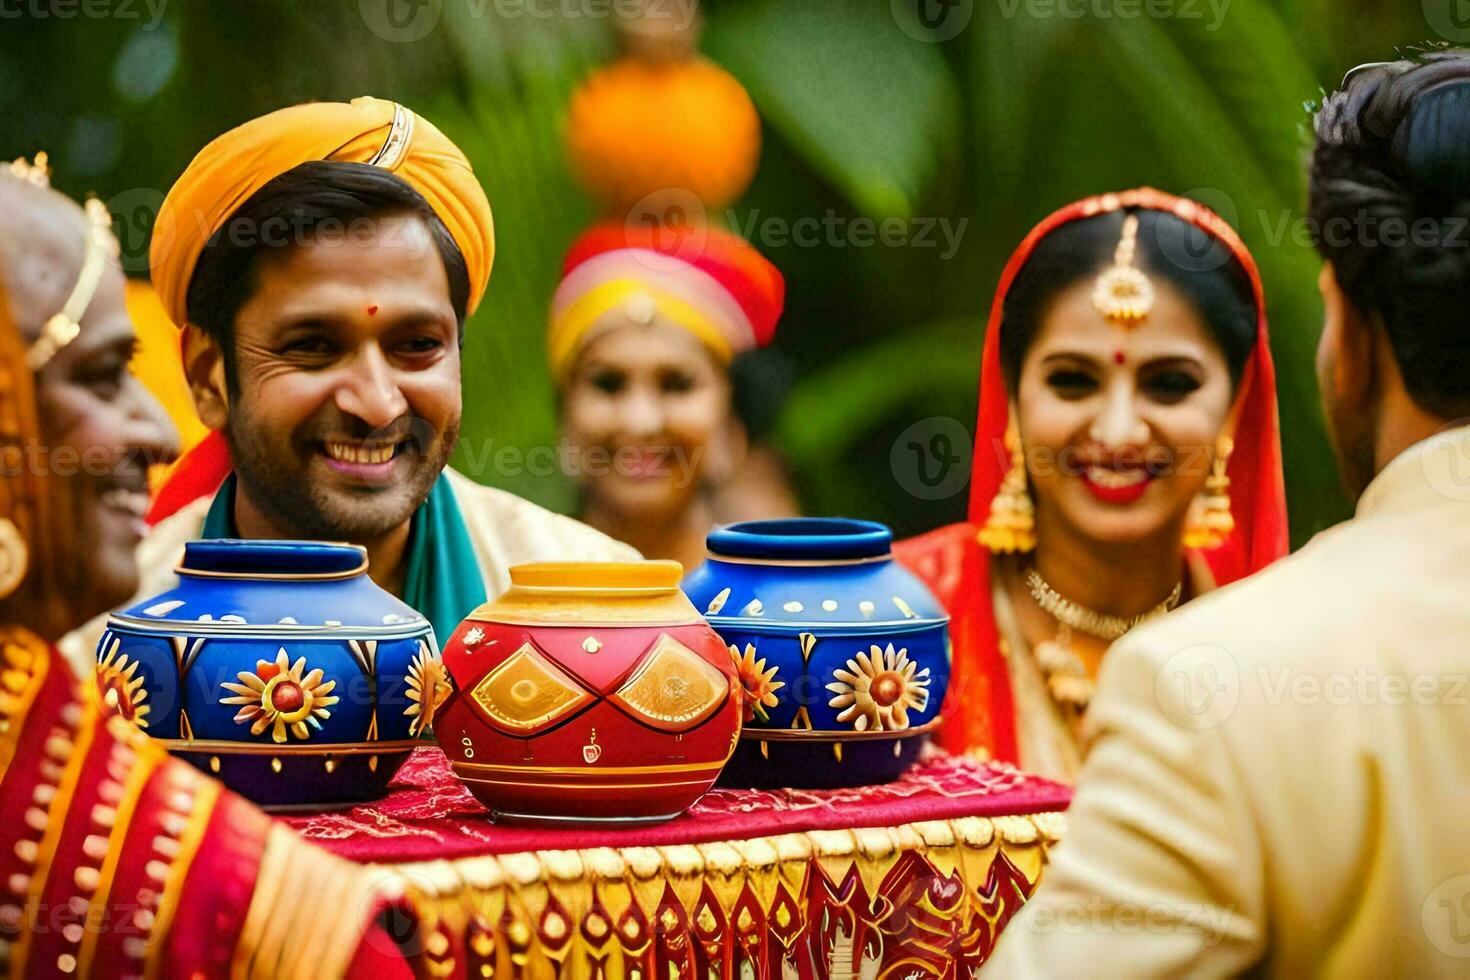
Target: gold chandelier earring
1011	526
1211	522
14	557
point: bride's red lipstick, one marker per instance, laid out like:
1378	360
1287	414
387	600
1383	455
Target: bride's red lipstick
1118	495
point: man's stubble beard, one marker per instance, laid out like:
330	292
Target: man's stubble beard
298	508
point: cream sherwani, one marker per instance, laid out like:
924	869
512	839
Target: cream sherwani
1277	777
504	529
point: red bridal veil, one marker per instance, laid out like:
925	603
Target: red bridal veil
979	710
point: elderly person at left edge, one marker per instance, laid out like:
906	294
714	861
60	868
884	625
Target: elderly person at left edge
321	261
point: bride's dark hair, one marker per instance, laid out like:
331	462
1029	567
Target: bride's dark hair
1389	201
1193	261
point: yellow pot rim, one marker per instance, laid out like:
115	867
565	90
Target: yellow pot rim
580	577
588	593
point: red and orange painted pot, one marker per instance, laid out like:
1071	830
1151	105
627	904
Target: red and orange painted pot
589	693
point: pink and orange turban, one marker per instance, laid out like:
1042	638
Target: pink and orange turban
236	165
708	281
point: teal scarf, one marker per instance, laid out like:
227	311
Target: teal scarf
443	581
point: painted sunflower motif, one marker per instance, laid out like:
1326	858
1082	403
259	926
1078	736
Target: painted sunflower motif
760	684
121	687
878	689
280	697
428	686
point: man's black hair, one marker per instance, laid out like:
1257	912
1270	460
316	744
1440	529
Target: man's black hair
308	200
1389	201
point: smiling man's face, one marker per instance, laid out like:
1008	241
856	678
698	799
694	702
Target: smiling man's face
347	398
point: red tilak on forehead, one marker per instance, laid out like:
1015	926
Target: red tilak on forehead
373	310
1119	357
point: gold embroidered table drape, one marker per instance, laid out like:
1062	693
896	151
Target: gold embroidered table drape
915	876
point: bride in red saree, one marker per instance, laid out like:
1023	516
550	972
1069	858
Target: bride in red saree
1127	458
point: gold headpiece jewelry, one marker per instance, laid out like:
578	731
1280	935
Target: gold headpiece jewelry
63	328
37	174
1123	293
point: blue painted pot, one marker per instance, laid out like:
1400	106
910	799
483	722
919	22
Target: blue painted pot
844	654
280	668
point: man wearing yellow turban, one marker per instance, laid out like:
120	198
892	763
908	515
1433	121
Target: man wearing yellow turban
321	261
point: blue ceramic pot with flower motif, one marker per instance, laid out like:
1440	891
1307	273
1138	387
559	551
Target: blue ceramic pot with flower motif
280	668
843	653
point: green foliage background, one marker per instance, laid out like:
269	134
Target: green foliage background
1031	104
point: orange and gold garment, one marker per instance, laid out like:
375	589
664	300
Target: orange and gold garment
120	861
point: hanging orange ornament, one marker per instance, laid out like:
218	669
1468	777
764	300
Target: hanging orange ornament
663	122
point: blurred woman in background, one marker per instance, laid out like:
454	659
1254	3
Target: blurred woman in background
1127	459
644	327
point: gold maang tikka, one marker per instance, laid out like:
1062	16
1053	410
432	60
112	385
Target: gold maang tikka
62	328
1123	294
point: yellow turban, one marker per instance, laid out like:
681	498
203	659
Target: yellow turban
234	166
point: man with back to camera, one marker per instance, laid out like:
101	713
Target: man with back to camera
321	261
1278	773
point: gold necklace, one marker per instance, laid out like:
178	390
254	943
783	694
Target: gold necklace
1066	674
1089	621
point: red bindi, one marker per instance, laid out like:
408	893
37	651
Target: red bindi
1118	357
372	311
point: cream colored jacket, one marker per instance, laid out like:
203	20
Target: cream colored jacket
506	530
1278	775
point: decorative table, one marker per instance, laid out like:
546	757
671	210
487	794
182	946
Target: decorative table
910	879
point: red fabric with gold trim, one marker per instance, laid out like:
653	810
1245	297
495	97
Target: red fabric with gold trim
110	826
891	878
124	862
955	565
429	815
219	882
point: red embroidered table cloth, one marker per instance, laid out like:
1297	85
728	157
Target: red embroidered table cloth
878	881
